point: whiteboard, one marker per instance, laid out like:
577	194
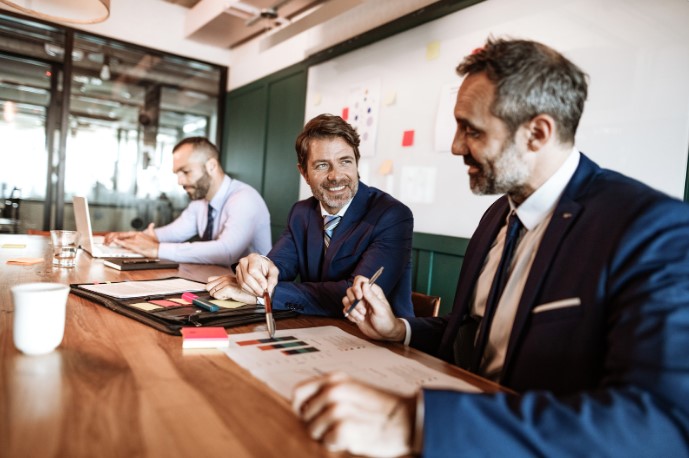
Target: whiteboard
636	119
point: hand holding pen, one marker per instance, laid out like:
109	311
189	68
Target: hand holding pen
372	281
373	316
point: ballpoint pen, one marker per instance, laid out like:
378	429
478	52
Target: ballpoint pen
370	282
270	321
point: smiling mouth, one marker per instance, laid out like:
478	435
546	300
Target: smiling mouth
336	188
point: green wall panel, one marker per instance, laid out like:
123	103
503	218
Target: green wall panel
287	98
245	131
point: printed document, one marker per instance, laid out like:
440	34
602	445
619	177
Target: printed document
294	355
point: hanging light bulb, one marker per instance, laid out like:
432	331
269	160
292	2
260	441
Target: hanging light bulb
105	70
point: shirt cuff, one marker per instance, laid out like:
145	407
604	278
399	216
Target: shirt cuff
407	335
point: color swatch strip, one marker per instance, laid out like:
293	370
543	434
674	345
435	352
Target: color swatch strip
299	351
244	343
278	346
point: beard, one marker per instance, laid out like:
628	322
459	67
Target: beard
505	174
199	190
322	194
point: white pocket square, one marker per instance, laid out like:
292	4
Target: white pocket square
562	303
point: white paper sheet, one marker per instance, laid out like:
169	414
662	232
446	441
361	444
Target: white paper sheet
128	289
299	354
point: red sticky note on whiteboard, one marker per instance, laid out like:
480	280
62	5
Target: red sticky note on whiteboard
408	138
345	113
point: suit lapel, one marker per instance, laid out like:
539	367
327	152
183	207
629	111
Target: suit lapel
314	240
564	217
474	259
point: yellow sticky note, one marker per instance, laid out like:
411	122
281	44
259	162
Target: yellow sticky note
385	167
145	306
432	50
227	304
181	301
24	261
14	245
390	98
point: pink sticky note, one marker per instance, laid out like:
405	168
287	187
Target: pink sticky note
408	138
164	303
345	113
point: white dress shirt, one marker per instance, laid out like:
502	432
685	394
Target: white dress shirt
241	226
534	213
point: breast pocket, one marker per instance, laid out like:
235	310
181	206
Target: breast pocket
556	310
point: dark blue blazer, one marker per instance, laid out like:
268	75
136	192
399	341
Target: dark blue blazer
604	371
375	231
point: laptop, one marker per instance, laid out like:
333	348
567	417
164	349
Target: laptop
94	245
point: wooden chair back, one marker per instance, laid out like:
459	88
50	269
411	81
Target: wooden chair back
424	305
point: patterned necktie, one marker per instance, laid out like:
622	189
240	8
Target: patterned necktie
468	347
329	224
208	233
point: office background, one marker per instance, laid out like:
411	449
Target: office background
636	120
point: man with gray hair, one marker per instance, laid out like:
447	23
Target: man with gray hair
573	294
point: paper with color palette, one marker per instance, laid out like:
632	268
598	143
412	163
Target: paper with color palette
294	355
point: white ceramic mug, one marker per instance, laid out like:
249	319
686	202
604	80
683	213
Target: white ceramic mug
39	316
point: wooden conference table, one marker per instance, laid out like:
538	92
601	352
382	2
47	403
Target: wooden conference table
116	387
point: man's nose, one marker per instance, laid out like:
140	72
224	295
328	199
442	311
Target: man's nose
459	145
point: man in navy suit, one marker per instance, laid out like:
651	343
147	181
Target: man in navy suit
367	229
591	329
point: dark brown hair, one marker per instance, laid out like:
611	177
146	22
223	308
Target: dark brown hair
202	146
325	126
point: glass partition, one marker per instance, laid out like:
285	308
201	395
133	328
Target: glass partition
126	107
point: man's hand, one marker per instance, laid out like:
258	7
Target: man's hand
373	313
349	415
256	274
226	287
145	243
138	242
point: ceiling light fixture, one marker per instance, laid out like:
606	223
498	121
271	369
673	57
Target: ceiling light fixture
70	11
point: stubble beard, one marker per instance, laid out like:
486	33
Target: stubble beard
200	188
320	193
508	174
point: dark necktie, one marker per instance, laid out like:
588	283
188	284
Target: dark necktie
468	346
208	233
329	224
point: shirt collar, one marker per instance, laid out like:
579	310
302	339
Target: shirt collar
543	200
340	213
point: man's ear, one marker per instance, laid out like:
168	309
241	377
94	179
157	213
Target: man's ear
541	131
211	165
302	172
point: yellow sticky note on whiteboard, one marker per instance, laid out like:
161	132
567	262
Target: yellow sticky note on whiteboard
432	50
385	167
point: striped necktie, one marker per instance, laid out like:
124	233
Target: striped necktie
330	222
208	233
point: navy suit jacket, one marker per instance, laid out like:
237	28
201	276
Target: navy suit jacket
376	230
604	369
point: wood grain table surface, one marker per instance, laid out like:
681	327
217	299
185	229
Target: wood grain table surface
116	387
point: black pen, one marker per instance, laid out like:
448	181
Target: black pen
370	282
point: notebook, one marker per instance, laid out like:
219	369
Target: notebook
94	245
